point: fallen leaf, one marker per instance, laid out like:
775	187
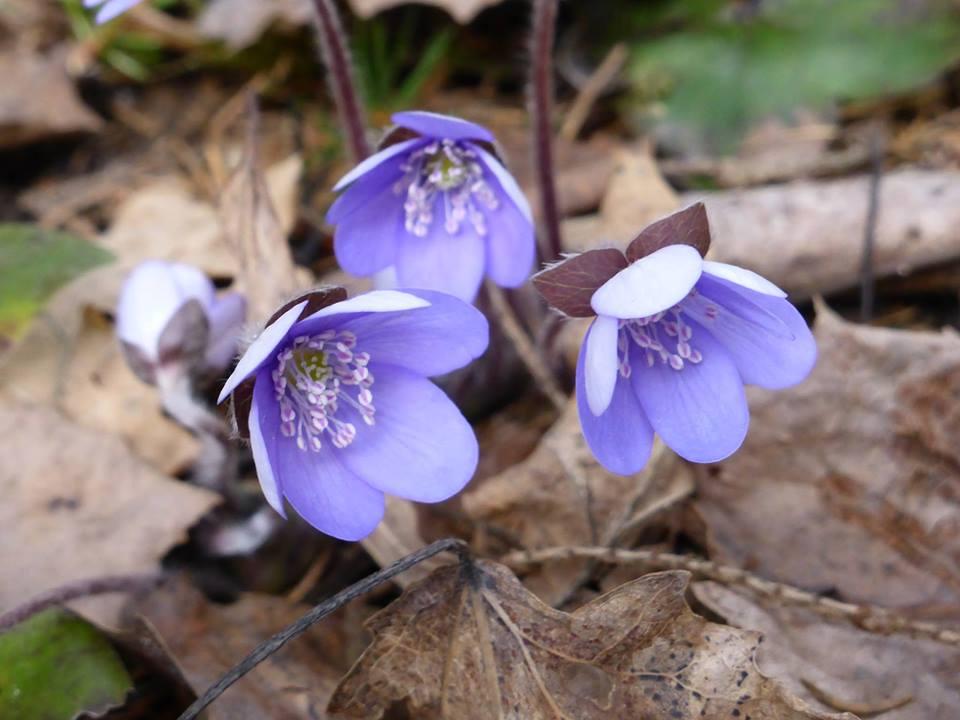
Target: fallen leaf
803	650
463	11
471	642
39	101
848	482
240	23
204	640
84	505
573	499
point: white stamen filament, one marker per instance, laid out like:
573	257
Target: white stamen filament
664	337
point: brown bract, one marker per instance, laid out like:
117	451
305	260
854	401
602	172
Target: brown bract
569	284
470	642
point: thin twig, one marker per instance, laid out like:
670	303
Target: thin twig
266	649
592	89
531	357
868	617
76	590
541	101
336	56
870	231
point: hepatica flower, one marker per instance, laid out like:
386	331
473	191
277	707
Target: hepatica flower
335	399
436	205
109	9
674	340
170	313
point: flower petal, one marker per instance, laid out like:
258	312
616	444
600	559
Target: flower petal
621	439
261	349
113	8
374	161
429	341
506	181
649	285
441	126
264	424
325	493
376	301
600	363
366	239
453	264
421	447
765	335
511	245
700	411
226	317
743	277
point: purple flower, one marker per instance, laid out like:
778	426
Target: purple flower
675	339
438	206
109	9
169	313
341	411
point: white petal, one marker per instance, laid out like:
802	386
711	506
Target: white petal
373	161
506	180
601	364
650	285
374	301
261	348
268	481
742	277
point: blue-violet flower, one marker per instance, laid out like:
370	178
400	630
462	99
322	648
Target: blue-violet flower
674	340
109	9
436	205
335	398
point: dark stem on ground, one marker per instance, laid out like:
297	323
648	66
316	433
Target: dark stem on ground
336	56
266	649
869	235
541	109
76	590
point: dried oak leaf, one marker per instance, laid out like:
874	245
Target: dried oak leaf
470	642
848	482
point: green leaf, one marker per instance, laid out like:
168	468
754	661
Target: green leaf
55	666
35	262
719	75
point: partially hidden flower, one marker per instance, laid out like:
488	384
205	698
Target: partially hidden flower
437	205
674	340
109	9
169	313
335	399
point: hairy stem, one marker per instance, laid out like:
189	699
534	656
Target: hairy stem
266	649
336	56
541	108
76	590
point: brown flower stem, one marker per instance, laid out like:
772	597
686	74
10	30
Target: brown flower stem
266	649
336	56
868	617
76	590
541	109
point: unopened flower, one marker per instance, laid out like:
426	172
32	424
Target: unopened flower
109	9
438	206
169	313
674	341
335	398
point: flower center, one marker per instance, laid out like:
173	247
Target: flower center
451	170
664	337
313	377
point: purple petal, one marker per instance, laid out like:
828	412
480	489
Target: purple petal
621	438
600	363
511	244
264	423
376	160
113	8
700	411
226	318
452	264
429	341
367	189
506	181
375	301
765	335
366	239
742	277
436	125
421	447
324	493
261	349
649	285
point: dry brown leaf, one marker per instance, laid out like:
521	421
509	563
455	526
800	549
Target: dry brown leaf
849	482
863	671
38	100
572	501
79	504
239	23
463	11
470	642
205	640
